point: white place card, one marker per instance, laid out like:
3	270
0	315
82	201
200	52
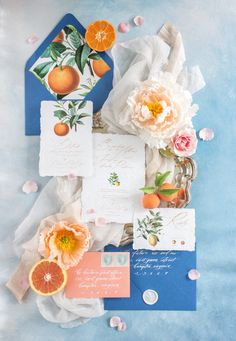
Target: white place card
164	229
119	171
66	138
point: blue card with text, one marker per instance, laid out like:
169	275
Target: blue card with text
64	67
165	272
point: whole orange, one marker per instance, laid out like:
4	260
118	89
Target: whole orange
59	38
165	197
151	201
63	79
100	67
61	129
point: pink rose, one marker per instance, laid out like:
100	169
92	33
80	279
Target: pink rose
184	143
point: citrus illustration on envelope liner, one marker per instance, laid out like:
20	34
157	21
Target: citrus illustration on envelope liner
69	65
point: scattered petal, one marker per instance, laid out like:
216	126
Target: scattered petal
30	186
193	275
100	221
138	20
206	134
90	211
123	27
114	321
71	176
32	39
121	327
24	283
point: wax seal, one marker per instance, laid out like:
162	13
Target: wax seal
150	296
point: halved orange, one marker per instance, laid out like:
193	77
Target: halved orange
47	277
100	35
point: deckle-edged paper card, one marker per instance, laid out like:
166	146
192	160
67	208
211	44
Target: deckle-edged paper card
119	171
164	229
66	144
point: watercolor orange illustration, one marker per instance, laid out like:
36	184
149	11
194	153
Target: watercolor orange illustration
100	35
47	277
63	79
59	38
61	129
100	67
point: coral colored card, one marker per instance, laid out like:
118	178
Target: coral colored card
100	274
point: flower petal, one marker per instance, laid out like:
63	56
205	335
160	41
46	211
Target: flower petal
114	321
30	186
193	275
123	27
138	20
121	327
206	134
32	39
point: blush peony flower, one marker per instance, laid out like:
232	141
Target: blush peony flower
66	242
184	143
159	108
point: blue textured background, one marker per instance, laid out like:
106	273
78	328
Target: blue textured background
209	32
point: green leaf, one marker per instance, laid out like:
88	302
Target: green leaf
84	56
78	54
166	153
67	30
94	56
168	192
60	114
80	122
148	190
42	69
58	48
74	38
82	104
83	115
71	104
73	120
46	53
161	177
85	87
71	61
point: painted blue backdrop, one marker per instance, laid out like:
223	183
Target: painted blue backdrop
209	32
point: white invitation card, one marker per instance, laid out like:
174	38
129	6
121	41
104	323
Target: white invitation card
66	138
119	171
164	229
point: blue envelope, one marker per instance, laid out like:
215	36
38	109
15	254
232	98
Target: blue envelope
162	271
35	91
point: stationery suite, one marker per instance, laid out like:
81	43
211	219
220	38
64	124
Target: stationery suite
100	274
119	172
66	80
66	138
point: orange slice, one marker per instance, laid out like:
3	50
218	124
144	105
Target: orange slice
47	277
100	35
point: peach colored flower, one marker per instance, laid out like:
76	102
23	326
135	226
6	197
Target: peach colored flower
184	143
159	108
66	242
